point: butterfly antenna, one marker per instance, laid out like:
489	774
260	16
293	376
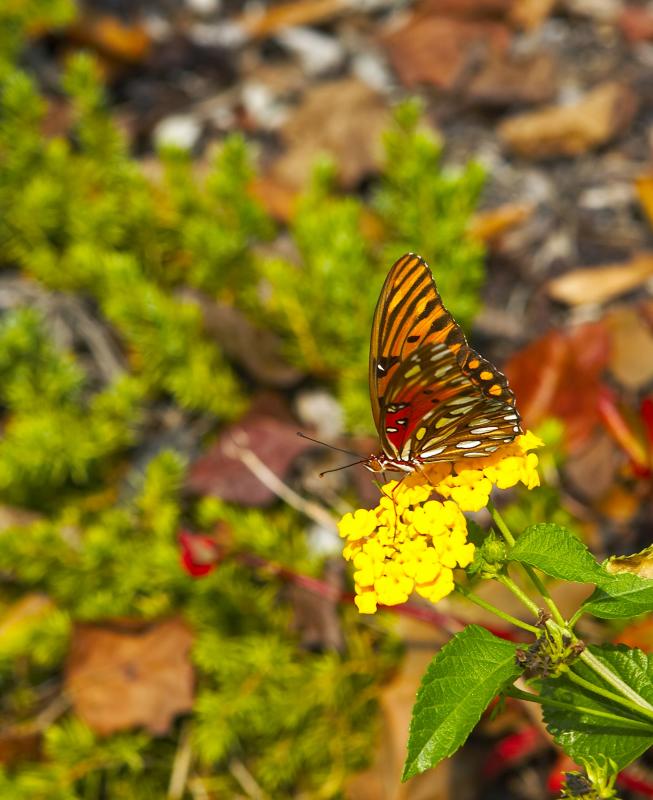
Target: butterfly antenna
330	446
346	466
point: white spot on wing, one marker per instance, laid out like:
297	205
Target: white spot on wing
430	453
467	445
488	429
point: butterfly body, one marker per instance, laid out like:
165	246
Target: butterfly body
433	397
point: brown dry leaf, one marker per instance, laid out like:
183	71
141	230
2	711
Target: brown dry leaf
218	474
18	745
491	225
344	119
508	80
122	41
11	516
559	375
600	284
120	677
631	351
636	24
441	50
572	130
257	350
530	14
639	563
592	468
260	22
382	781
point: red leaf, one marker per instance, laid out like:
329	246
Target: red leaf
559	376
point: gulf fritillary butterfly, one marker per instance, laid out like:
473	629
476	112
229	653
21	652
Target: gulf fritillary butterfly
433	397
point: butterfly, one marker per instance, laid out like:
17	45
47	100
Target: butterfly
433	397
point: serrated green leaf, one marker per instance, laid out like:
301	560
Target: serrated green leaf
557	552
459	684
583	735
620	595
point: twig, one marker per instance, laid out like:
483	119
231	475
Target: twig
237	448
181	764
246	780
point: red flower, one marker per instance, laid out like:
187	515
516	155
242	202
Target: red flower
199	553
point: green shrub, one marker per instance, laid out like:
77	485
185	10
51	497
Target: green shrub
78	217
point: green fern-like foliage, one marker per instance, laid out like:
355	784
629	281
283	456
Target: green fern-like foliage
426	209
91	503
325	300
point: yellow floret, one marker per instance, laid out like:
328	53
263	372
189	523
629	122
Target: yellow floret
412	543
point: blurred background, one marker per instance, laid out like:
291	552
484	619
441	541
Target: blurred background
199	202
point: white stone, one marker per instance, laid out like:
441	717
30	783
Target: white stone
317	53
179	130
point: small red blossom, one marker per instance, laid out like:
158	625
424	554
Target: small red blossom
199	553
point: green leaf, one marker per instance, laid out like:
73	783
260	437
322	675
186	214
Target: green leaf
581	734
458	686
557	552
620	595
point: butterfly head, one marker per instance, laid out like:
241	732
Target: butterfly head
375	464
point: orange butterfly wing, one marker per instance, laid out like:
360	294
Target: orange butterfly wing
432	396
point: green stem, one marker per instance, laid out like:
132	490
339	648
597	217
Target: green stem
572	622
615	698
501	525
541	588
502	614
595	712
519	594
614	680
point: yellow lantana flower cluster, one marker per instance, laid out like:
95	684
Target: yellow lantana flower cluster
412	543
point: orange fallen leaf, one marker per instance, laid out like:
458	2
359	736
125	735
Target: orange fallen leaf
644	189
258	23
119	40
278	199
603	283
489	226
574	129
530	14
559	376
638	634
125	675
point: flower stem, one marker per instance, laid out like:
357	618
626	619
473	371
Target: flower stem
519	594
541	588
489	607
595	712
615	698
500	523
601	669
